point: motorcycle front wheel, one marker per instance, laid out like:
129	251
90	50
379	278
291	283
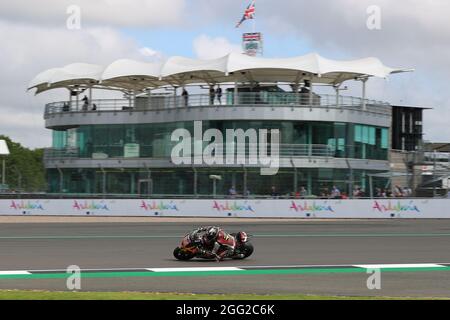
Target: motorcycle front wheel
180	254
246	249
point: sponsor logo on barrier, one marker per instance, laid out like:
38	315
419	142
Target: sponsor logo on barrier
314	207
147	206
28	205
398	207
90	206
235	206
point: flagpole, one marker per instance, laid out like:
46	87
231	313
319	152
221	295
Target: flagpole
254	18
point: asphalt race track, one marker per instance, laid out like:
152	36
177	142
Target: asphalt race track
113	247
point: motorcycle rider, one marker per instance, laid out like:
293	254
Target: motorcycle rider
216	242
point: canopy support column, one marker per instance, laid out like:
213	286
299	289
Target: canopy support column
364	104
129	98
175	93
70	99
310	91
235	95
90	98
149	99
336	87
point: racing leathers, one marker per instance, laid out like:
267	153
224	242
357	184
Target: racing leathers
222	245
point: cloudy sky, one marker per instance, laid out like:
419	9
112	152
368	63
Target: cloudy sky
34	37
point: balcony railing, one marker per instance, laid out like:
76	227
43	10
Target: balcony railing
60	154
259	99
285	151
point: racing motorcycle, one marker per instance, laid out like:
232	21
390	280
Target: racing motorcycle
192	247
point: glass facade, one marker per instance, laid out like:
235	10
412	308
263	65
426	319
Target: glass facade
154	140
344	140
185	181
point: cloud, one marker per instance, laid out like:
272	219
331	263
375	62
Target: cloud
118	13
414	33
29	49
151	54
206	47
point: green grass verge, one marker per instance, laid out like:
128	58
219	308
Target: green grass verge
55	295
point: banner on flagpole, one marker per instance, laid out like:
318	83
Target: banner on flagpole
252	43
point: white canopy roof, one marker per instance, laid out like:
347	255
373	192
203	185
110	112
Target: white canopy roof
131	74
71	75
4	151
127	74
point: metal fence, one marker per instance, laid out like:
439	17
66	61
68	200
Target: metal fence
205	100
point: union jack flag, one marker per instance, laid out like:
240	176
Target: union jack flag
248	14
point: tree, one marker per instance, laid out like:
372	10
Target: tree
24	167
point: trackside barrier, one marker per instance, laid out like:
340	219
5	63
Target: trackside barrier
264	208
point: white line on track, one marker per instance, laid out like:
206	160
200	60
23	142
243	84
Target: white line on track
238	268
194	269
398	266
13	272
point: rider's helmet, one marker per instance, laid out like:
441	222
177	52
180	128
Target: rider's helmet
211	233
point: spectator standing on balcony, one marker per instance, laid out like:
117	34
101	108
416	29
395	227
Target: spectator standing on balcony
335	193
185	96
232	192
212	95
85	103
274	192
219	94
303	192
378	193
357	193
397	191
